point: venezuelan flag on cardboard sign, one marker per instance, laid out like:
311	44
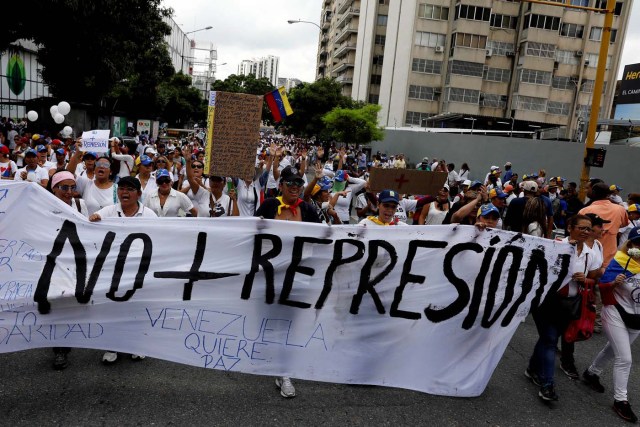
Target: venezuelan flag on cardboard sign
278	104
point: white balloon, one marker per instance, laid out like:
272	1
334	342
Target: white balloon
32	115
58	118
67	131
64	108
53	110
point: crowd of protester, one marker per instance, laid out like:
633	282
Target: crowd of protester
298	180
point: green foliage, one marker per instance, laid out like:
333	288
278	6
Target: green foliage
86	47
247	84
310	102
354	125
181	102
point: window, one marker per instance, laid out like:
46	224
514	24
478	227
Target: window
584	3
500	48
383	1
382	20
426	66
424	93
596	34
540	49
504	21
376	79
429	39
380	39
416	118
530	103
535	77
497	75
468	96
429	11
465	68
602	4
542	22
378	59
373	99
473	41
588	85
562	82
592	59
572	30
493	100
558	108
567	57
473	13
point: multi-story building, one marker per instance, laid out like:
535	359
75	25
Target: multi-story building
288	83
263	67
490	63
180	47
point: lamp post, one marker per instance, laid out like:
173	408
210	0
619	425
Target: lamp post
512	123
297	21
185	37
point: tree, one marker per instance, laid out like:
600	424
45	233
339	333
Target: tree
247	84
181	103
86	47
310	102
354	125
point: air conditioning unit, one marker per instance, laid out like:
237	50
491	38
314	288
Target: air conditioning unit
510	54
439	49
489	52
579	53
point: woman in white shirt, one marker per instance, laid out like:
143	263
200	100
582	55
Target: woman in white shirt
343	182
167	202
120	153
196	187
99	192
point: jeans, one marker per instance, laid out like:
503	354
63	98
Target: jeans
543	359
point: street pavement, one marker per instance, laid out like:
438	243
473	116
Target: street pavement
156	392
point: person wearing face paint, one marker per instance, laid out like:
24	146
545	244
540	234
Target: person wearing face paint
288	207
388	203
167	202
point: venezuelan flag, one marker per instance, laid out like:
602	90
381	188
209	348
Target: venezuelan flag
278	104
617	266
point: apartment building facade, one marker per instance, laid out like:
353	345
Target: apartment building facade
455	63
268	67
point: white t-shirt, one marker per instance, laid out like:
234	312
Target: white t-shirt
343	203
248	197
368	223
96	198
172	205
126	164
222	206
7	170
587	261
40	174
201	199
115	211
404	207
624	231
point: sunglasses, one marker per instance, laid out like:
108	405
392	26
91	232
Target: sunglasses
294	183
164	180
197	167
103	165
67	187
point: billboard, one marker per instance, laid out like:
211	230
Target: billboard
628	103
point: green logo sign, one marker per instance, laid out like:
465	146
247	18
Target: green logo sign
16	76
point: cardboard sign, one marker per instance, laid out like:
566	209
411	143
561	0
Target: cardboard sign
96	141
407	181
233	133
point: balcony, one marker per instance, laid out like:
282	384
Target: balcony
344	5
342	66
346	32
346	17
343	49
344	80
326	23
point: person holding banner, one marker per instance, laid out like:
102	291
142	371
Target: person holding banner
552	316
32	171
620	322
388	203
63	186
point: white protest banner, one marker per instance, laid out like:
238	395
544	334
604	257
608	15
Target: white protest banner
95	140
428	308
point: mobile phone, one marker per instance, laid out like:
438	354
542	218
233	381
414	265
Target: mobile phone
229	185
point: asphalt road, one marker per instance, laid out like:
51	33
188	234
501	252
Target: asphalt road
155	392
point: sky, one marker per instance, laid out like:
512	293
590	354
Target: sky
246	29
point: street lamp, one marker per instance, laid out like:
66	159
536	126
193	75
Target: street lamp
296	21
512	123
473	122
185	37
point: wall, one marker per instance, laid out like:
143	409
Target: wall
481	152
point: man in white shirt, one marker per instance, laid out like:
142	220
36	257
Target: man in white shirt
32	172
